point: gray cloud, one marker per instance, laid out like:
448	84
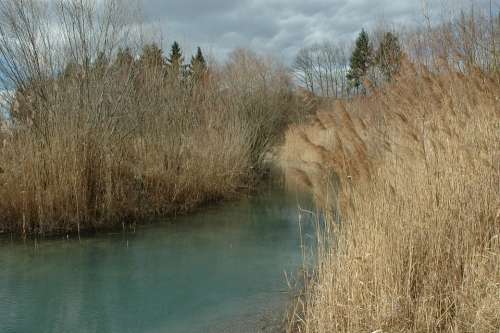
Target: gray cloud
280	27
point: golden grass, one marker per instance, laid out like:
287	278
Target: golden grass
110	154
418	176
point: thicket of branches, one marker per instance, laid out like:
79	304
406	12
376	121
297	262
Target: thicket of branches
104	129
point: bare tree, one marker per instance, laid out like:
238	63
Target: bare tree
322	69
466	38
303	68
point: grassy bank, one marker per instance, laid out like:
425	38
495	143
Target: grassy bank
413	173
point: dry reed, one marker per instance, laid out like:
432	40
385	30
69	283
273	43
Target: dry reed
97	141
417	248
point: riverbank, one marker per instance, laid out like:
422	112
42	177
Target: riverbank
412	173
107	128
75	164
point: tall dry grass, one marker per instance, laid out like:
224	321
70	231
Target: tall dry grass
413	174
97	141
85	163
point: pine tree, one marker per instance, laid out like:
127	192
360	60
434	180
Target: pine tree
389	56
175	60
361	60
198	65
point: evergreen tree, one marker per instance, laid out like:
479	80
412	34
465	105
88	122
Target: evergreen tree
389	56
361	60
198	65
175	60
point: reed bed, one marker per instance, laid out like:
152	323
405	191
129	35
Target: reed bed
408	178
101	130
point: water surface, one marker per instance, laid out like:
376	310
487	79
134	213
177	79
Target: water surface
219	270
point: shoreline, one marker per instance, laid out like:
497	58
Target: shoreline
262	182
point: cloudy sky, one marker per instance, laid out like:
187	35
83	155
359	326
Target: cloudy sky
281	27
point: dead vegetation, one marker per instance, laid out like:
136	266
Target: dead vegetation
416	169
100	135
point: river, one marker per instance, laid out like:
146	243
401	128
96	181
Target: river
222	269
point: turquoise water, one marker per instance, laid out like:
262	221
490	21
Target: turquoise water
220	270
